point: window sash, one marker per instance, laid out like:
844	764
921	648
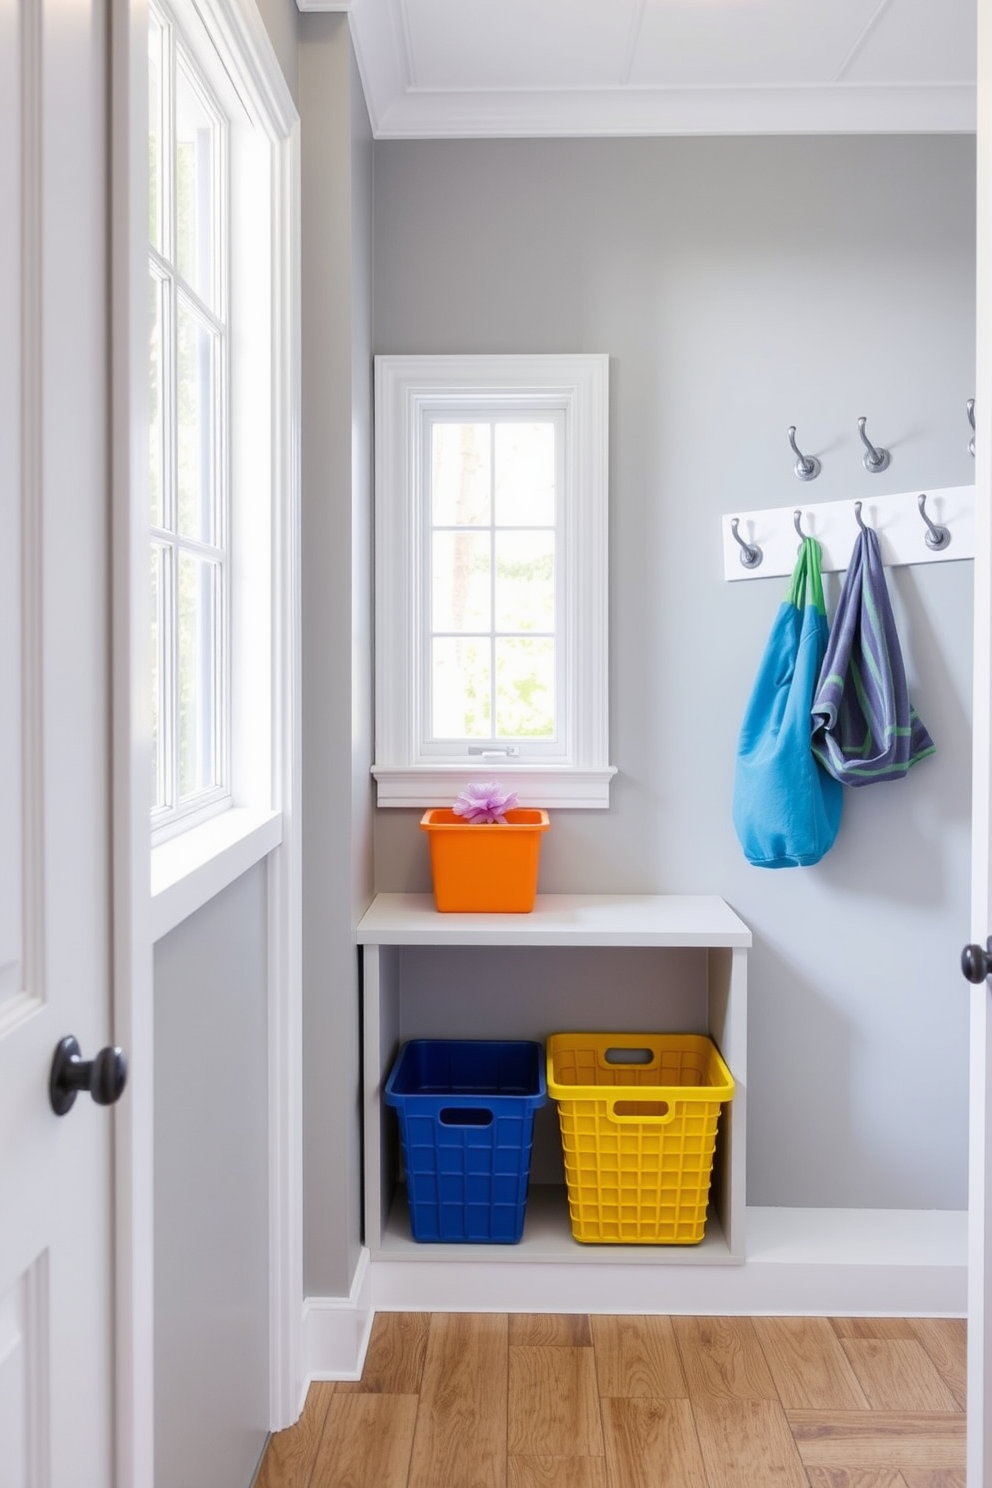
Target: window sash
518	744
189	529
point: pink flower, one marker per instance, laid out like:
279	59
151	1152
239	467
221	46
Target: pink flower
480	804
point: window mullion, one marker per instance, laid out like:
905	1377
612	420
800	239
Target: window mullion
197	304
169	143
169	676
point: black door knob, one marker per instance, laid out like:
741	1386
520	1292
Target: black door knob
104	1077
976	963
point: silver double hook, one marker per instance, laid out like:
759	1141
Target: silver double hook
751	555
807	467
937	538
875	460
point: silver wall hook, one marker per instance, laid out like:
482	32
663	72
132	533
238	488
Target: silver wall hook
970	406
857	514
936	538
797	522
807	467
751	554
875	460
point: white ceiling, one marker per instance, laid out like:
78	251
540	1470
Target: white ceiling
470	68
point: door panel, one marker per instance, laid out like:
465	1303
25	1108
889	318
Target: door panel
56	1302
24	1404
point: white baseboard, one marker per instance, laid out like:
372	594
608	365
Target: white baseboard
800	1262
336	1330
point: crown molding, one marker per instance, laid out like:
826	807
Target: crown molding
833	109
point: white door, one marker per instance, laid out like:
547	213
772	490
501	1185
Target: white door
56	1280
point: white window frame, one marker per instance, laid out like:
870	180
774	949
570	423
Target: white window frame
410	393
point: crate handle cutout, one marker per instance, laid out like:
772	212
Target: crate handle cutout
628	1056
465	1116
657	1109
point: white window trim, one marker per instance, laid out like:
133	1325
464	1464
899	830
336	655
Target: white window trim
263	820
406	387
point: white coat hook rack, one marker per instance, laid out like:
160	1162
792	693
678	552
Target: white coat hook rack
945	533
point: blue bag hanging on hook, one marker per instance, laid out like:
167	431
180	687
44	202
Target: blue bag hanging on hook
786	807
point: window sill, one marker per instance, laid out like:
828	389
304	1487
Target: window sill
191	869
535	785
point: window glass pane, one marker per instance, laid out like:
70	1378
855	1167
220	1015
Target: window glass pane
525	581
159	790
525	689
460	474
198	672
525	475
461	581
156	431
461	673
155	183
195	409
196	188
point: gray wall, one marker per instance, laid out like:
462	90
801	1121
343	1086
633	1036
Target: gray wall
212	1193
281	18
337	656
740	286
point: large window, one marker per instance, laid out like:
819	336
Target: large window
491	526
222	209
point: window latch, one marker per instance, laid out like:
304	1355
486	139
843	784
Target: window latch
511	751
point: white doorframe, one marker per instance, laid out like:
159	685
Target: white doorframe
287	1372
980	1036
131	734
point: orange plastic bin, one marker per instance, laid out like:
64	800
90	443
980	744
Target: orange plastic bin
485	869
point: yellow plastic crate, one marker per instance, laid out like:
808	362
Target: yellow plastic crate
638	1137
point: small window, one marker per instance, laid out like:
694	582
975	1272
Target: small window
491	541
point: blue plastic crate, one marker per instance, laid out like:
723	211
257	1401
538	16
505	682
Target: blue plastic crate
466	1116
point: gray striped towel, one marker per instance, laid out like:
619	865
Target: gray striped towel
864	727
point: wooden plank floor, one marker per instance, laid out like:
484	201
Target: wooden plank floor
486	1400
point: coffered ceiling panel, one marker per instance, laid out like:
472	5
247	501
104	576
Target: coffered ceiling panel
918	41
761	43
519	44
473	68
